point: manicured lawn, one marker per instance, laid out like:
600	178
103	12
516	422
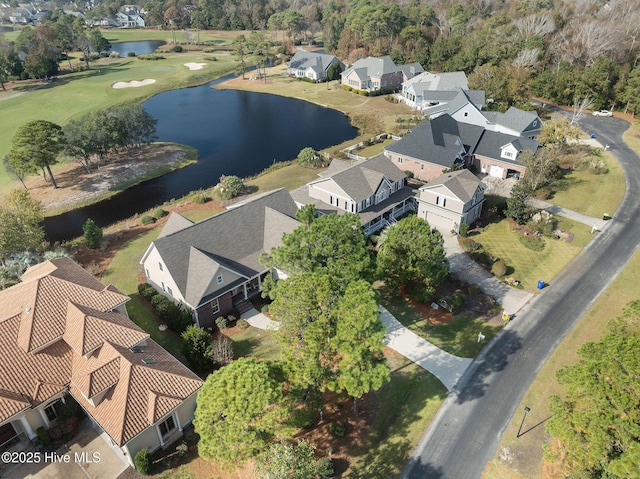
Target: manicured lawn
529	266
144	318
290	177
459	337
256	343
374	150
407	405
76	94
123	270
577	190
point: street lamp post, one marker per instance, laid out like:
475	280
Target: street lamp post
526	410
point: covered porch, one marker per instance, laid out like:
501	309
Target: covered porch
386	213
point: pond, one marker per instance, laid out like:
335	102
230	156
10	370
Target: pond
142	47
235	132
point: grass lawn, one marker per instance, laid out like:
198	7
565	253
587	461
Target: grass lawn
290	177
76	94
577	189
256	343
459	337
407	405
374	150
529	266
527	451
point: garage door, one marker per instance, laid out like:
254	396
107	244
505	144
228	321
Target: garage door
496	171
442	224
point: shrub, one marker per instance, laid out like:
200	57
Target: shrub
200	197
499	268
149	56
143	462
92	234
222	322
114	55
532	243
167	310
310	158
265	308
473	289
132	54
159	213
196	347
44	436
464	230
337	429
229	187
211	59
242	323
146	291
176	49
147	220
470	245
408	174
456	302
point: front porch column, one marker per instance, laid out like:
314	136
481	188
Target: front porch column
159	435
259	283
176	417
244	288
27	428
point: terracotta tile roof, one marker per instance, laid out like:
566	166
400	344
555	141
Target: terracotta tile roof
59	330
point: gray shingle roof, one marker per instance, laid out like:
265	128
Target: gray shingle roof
441	81
176	222
362	179
461	183
318	60
372	67
233	239
514	118
491	143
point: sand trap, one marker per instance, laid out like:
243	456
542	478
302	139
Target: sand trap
194	66
133	83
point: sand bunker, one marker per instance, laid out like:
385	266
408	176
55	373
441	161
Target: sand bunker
133	83
194	66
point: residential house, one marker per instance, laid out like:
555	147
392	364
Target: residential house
499	155
130	17
427	90
213	266
62	331
450	200
515	122
434	146
374	188
314	65
443	143
378	74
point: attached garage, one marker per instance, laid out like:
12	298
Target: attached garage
442	223
496	171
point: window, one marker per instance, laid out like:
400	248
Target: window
219	279
169	291
167	426
51	412
422	167
331	199
444	202
160	266
437	200
535	122
466	113
215	305
399	160
147	271
508	154
163	289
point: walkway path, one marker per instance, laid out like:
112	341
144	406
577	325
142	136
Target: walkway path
259	320
446	367
598	223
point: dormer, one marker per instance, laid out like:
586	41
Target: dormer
509	152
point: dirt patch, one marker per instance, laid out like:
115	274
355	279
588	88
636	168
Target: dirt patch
78	187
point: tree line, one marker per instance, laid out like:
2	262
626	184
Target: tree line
90	140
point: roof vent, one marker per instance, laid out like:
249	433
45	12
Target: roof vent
148	361
27	310
136	350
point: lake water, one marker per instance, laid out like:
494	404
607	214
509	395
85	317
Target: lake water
236	133
5	29
142	47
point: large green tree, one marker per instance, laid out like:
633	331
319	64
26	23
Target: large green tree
240	410
412	255
360	365
21	218
334	244
36	146
598	420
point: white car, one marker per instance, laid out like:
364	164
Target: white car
602	113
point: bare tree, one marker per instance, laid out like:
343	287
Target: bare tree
579	107
527	58
221	350
532	25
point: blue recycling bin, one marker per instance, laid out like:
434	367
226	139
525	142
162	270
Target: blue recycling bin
593	135
540	284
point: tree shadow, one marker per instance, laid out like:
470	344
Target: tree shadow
494	358
417	469
244	347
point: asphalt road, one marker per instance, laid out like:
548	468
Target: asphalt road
466	432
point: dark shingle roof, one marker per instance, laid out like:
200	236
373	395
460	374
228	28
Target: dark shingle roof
514	118
233	239
461	183
318	60
491	143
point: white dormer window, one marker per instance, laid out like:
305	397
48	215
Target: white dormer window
535	122
508	154
400	160
466	113
219	279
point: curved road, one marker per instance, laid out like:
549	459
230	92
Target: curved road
467	430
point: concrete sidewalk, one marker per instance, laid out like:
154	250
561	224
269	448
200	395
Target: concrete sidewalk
511	299
597	223
259	320
446	367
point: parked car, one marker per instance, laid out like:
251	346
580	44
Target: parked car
602	113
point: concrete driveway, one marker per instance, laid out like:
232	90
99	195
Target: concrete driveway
90	456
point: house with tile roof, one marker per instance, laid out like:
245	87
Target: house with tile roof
313	65
378	74
62	331
450	200
444	143
213	266
374	188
